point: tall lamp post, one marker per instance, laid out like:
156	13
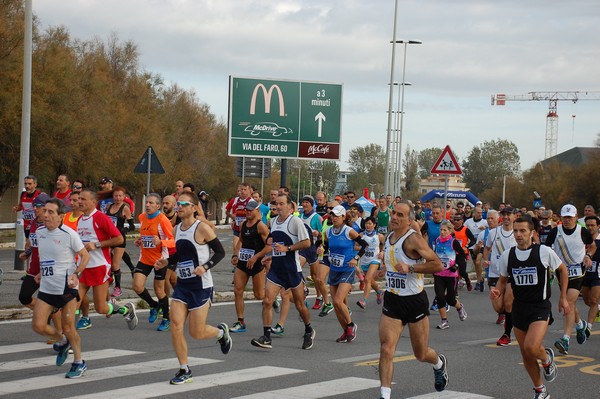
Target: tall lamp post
388	143
396	163
401	99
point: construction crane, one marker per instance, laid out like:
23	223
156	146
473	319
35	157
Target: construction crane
552	118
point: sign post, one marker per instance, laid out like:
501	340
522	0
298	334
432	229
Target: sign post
446	165
149	164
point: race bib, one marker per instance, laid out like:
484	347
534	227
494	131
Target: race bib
382	230
245	254
525	276
47	268
336	260
33	240
185	269
575	270
395	280
369	253
276	252
28	214
446	263
239	220
148	242
113	219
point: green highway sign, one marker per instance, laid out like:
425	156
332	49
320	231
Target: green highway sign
284	119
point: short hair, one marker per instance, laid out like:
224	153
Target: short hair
61	208
525	219
31	177
194	199
245	184
371	219
119	188
157	196
492	212
78	181
285	189
67	178
288	198
92	193
447	224
191	186
594	217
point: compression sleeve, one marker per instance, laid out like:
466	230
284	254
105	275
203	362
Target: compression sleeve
363	245
218	252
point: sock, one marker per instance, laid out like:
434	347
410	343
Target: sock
590	325
579	324
127	260
546	363
220	334
351	324
241	320
386	392
184	367
110	308
145	295
439	364
63	340
307	328
77	361
541	388
508	324
443	320
267	331
566	338
164	304
117	277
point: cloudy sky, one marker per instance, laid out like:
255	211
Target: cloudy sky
471	49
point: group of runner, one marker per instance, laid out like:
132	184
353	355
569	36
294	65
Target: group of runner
400	242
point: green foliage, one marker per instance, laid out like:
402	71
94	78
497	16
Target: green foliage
367	165
411	168
427	158
489	162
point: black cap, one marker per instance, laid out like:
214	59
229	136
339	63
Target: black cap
105	180
508	210
41	199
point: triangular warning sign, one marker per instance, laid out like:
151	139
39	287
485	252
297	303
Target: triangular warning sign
446	164
149	157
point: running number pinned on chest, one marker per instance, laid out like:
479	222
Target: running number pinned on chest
47	268
525	276
185	269
275	251
336	260
114	219
575	270
148	242
245	254
395	280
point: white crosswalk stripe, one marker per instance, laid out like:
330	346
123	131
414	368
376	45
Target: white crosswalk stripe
318	390
205	381
30	346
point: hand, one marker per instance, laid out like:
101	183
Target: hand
353	263
320	251
381	255
280	247
37	278
138	242
156	240
251	262
401	267
199	270
494	293
234	260
266	261
22	256
587	262
89	246
563	305
73	280
159	264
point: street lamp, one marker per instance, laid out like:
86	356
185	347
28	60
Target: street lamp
396	163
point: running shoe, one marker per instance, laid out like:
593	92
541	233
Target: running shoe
361	304
309	338
306	292
443	325
262	342
77	370
501	318
349	311
130	317
343	338
164	325
278	330
562	345
441	375
504	340
550	370
478	286
225	341
461	284
351	333
277	305
434	306
469	286
581	335
379	297
83	323
482	285
117	292
327	308
462	313
318	303
153	315
63	352
182	377
238	327
588	330
540	393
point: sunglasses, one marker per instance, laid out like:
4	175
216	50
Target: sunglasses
77	187
38	206
184	203
330	207
351	196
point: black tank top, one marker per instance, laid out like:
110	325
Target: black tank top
252	242
543	232
530	279
118	216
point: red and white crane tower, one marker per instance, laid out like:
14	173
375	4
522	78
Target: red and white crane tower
552	118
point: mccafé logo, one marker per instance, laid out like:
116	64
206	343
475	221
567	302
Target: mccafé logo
318	149
267	97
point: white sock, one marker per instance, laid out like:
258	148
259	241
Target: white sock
221	333
184	367
579	324
439	364
386	392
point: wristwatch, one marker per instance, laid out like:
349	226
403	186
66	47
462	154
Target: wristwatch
356	257
411	268
206	268
98	245
289	248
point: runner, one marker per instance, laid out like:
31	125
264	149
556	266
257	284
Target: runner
527	266
26	202
156	237
63	188
288	236
248	261
466	240
58	279
194	291
407	257
314	223
591	281
382	214
370	262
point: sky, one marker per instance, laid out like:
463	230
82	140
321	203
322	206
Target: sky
470	50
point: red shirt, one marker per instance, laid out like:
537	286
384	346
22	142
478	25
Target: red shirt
26	207
237	207
62	196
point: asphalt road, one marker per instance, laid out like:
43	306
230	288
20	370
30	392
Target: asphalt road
139	363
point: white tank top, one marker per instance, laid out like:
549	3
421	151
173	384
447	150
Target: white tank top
401	284
372	251
571	250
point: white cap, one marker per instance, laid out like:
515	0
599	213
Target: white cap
339	210
479	203
568	210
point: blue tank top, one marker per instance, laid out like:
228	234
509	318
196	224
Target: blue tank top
341	249
433	232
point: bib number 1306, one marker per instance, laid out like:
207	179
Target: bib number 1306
396	280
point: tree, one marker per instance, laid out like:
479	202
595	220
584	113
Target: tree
426	159
367	165
490	161
411	167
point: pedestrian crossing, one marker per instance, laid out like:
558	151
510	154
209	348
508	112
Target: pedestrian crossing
35	378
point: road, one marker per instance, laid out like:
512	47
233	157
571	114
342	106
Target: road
139	363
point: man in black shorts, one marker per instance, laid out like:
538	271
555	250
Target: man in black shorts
527	266
247	259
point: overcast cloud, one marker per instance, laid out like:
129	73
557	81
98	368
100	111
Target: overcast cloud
471	49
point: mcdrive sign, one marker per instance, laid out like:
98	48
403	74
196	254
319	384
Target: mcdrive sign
284	119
